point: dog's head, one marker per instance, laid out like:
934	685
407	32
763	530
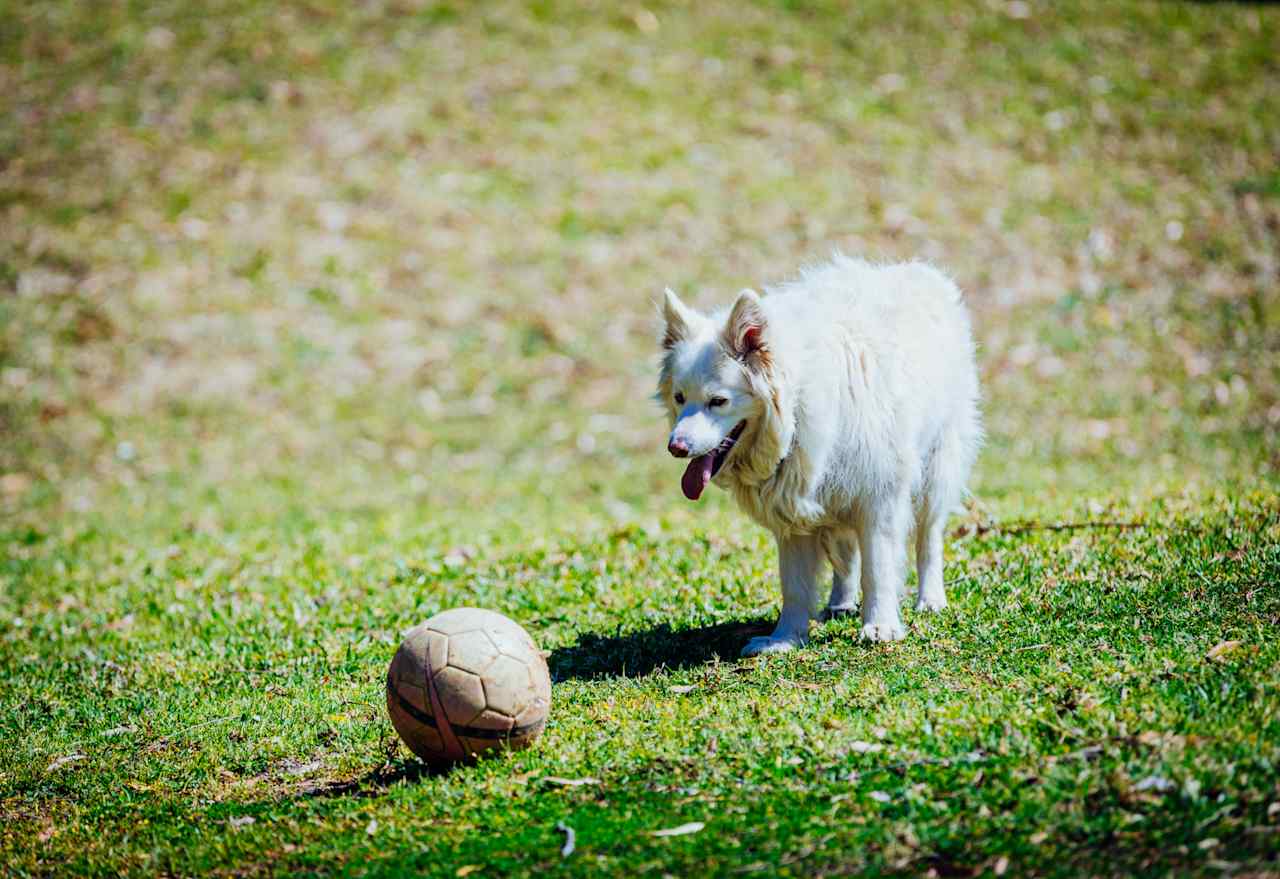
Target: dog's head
717	387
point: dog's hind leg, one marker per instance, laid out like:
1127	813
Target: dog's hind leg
799	558
945	472
846	574
932	594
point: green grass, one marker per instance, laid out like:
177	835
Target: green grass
318	318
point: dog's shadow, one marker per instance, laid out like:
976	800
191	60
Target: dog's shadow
636	654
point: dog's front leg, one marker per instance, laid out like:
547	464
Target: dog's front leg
799	558
846	573
884	537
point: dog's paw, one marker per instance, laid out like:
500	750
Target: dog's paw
931	603
830	613
894	631
766	644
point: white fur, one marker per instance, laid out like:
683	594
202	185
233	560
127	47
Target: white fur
859	390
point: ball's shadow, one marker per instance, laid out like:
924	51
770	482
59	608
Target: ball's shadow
377	782
639	653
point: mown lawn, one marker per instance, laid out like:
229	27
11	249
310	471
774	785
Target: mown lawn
318	318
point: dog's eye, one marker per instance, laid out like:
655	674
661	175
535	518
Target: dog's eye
679	399
717	401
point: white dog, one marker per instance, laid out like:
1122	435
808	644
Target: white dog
841	411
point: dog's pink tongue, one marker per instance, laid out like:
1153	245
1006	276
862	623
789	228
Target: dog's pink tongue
696	476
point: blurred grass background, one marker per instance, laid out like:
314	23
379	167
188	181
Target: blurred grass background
399	253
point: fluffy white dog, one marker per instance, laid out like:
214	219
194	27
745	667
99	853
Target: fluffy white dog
841	410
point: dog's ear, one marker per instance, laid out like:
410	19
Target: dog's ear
744	333
679	319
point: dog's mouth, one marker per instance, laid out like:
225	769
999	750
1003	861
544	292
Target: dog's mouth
702	469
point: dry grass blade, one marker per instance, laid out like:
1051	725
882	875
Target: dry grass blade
570	782
681	830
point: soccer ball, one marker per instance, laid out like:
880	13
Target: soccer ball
465	682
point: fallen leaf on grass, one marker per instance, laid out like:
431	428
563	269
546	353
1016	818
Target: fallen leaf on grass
1154	739
63	761
1038	838
1220	651
1155	783
569	839
865	747
241	821
682	830
468	869
1001	866
291	767
570	782
806	685
684	688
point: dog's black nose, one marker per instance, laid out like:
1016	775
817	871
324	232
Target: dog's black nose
679	448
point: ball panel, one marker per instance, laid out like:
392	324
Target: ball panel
415	696
523	736
472	651
424	649
492	720
477	746
461	694
421	738
507	686
438	649
406	677
428	648
463	619
541	678
512	640
533	716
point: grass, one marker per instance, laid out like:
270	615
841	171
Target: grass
318	318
